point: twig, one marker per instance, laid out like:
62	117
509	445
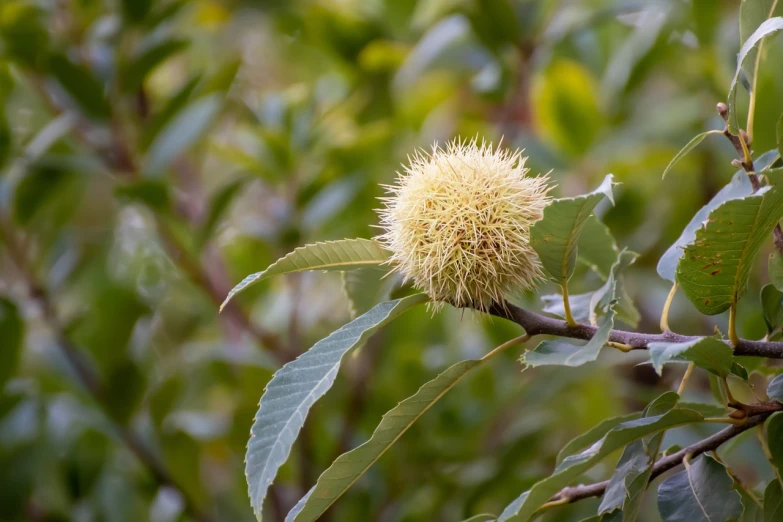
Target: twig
741	145
537	324
572	494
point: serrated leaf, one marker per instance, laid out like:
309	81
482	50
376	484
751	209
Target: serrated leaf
632	475
12	333
702	492
774	427
366	287
767	28
752	509
707	352
564	353
596	247
714	269
525	506
556	236
181	132
350	466
593	435
687	148
739	186
775	388
296	387
773	502
346	254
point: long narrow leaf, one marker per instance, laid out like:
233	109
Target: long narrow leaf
687	148
295	388
329	256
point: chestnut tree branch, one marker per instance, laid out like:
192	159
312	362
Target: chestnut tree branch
572	494
538	324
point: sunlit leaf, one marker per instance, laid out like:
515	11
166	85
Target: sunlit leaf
296	387
767	28
523	508
556	236
714	269
346	254
350	466
702	492
687	148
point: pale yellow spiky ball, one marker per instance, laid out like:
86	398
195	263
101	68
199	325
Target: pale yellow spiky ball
458	221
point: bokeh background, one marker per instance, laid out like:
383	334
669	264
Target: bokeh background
154	152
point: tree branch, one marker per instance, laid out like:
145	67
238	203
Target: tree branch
537	324
740	143
575	493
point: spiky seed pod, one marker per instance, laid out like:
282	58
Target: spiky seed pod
458	223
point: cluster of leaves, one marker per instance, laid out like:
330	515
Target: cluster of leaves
711	262
153	151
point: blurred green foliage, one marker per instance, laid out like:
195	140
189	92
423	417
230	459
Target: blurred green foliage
153	153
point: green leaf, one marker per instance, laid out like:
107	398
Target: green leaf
774	427
350	466
525	506
134	72
12	333
687	148
772	307
751	15
181	133
38	188
632	475
775	268
714	269
6	139
135	11
773	502
296	387
596	247
775	388
603	301
767	28
23	33
150	192
366	287
752	508
779	133
218	205
556	236
702	492
593	435
81	85
739	186
706	409
160	119
708	353
346	254
484	517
